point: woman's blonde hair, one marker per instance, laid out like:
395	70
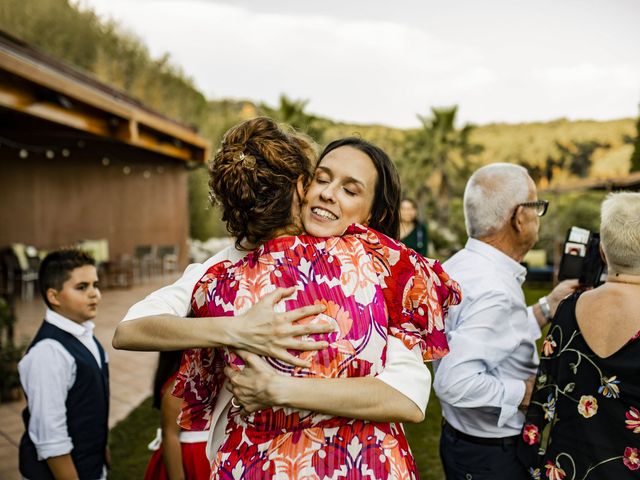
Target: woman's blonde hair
620	232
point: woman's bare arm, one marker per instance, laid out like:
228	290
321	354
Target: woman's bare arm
260	330
367	398
171	446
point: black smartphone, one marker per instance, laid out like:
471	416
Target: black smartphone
581	258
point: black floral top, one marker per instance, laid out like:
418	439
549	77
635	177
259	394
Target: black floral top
584	418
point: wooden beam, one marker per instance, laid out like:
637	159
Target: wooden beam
148	140
93	109
25	102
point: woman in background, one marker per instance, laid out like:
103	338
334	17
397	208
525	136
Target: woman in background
412	232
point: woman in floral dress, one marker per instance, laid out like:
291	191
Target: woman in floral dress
584	417
370	285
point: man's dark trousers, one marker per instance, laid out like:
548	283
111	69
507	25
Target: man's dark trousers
465	459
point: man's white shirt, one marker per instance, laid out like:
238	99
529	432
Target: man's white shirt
491	336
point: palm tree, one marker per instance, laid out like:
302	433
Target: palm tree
635	156
292	112
440	156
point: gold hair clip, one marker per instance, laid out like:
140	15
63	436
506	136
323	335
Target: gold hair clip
247	161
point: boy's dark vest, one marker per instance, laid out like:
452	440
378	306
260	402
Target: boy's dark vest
87	411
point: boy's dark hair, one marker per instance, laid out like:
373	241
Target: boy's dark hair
56	269
168	365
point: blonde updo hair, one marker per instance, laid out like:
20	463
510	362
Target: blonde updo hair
620	232
253	178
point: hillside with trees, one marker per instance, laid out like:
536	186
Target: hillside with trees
434	159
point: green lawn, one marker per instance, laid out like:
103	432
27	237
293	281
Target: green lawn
128	442
424	439
130	437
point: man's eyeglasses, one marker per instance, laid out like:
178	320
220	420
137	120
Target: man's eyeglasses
540	206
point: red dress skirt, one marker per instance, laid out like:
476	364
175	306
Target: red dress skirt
194	457
194	462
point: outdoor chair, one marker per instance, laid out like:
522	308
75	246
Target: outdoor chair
167	256
112	273
28	265
143	260
119	273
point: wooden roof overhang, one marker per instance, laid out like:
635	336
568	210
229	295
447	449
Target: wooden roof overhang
36	85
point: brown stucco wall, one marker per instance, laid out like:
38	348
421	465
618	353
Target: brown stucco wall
52	202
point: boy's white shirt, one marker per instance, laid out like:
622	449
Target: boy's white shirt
404	370
47	373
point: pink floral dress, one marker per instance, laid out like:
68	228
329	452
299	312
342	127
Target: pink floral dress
372	286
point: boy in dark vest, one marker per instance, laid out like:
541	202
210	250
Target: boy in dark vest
65	377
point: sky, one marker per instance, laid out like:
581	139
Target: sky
384	62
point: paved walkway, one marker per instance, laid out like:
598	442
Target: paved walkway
131	372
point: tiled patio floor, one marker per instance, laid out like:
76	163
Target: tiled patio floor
131	372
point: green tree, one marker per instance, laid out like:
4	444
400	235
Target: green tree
75	34
292	112
635	156
580	156
440	155
205	219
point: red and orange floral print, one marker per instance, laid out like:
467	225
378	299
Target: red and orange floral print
373	287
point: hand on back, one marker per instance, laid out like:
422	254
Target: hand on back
264	331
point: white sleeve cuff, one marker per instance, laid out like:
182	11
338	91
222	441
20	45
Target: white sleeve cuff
53	449
405	372
513	395
534	326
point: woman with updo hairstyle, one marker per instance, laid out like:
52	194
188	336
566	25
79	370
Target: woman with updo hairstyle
368	287
583	421
251	178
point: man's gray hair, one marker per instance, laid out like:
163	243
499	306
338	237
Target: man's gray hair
620	232
491	195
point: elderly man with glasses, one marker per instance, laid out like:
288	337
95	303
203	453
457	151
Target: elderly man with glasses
485	382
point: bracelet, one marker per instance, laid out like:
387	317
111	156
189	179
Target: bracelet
545	308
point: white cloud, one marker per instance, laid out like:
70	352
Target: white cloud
587	74
371	70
